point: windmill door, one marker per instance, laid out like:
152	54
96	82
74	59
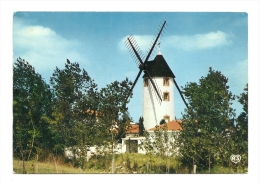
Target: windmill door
132	146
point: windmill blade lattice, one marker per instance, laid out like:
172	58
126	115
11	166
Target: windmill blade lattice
137	54
133	46
134	50
142	63
154	43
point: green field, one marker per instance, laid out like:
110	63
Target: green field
45	168
123	164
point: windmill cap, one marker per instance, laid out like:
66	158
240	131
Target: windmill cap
159	68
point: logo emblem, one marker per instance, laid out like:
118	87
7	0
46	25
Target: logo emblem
235	158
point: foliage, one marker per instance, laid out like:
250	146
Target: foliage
208	122
124	122
31	103
74	107
160	143
141	126
112	109
240	135
70	113
162	122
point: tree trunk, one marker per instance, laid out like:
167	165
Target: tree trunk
24	171
209	164
32	143
56	168
23	159
113	167
194	169
36	165
113	159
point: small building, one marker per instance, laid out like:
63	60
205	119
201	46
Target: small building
132	141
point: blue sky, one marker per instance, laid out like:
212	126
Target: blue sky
191	43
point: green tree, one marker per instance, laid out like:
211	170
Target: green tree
148	147
124	122
208	121
160	143
240	136
114	115
112	109
74	108
141	126
31	104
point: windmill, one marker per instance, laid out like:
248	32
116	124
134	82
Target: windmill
153	69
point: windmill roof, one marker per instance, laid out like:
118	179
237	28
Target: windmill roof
159	68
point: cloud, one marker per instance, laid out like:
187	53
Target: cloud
43	48
186	42
144	42
199	41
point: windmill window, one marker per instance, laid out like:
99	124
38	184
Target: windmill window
166	81
166	96
145	82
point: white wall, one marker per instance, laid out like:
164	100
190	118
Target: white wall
153	110
124	141
151	133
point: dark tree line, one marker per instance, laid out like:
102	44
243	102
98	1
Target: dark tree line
211	133
68	112
32	102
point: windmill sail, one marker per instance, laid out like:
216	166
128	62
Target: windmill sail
134	49
154	43
180	92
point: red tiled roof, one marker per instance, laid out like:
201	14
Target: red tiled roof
132	129
172	125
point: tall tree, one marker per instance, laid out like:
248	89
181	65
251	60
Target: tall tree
240	136
75	105
208	121
111	106
141	126
31	103
124	122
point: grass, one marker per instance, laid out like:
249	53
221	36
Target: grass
44	168
225	170
133	163
123	164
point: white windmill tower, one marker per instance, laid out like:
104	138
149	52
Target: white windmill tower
154	111
158	85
